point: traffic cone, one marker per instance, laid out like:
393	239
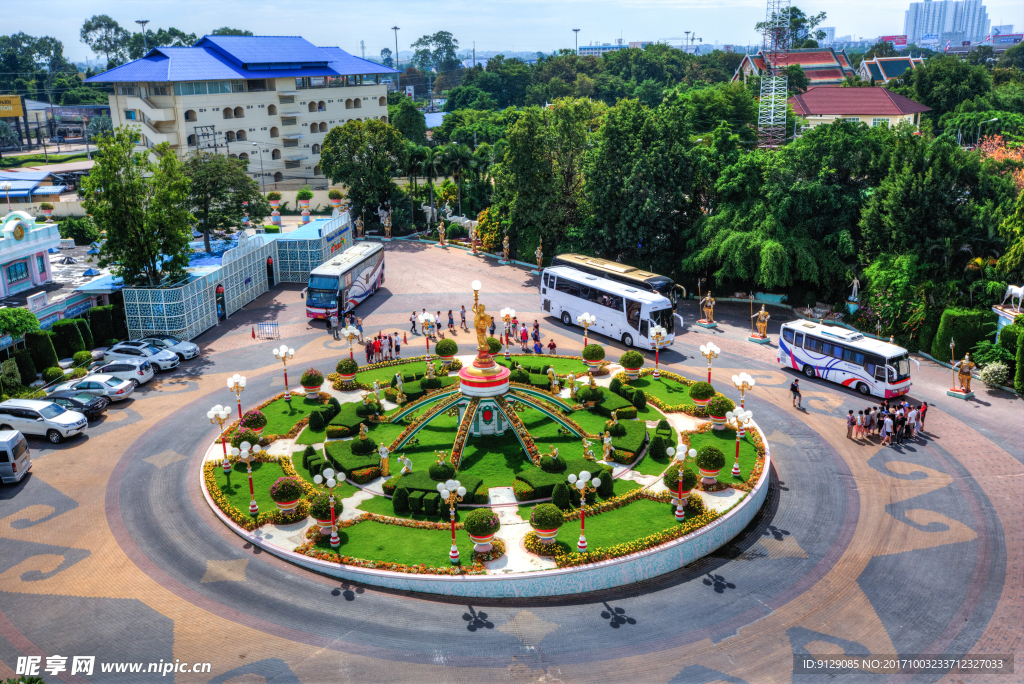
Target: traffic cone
404	340
254	332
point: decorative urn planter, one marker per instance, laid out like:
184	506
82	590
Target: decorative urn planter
593	365
482	544
546	536
325	525
305	215
681	501
718	422
274	203
336	203
708	477
288	506
312	392
446	360
258	431
47	213
347	377
632	373
700	402
304	203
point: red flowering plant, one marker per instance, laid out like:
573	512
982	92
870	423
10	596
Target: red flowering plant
286	490
254	420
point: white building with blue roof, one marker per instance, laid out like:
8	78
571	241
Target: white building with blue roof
29	186
268	99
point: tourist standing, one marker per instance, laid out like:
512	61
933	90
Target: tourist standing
552	348
463	314
451	322
359	327
412	323
794	388
924	409
334	324
369	351
376	349
887	430
851	422
524	337
398	347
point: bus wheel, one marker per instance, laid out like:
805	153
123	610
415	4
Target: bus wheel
863	389
809	371
627	340
566	319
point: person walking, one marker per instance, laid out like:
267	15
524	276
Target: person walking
493	326
552	348
451	322
463	314
524	337
537	349
327	321
851	422
887	430
398	347
334	325
412	323
794	388
515	325
359	327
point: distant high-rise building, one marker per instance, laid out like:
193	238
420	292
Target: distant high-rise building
930	20
830	35
1002	30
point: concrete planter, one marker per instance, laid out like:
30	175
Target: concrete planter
482	544
287	506
324	525
632	373
593	365
446	360
718	422
700	402
346	377
546	536
311	392
708	476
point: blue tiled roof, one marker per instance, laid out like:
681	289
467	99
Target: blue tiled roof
217	58
27	175
894	67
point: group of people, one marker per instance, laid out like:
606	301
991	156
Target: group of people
383	347
894	423
334	325
517	332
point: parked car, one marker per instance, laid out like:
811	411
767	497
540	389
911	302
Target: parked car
184	350
15	457
109	386
136	369
160	358
57	139
86	403
41	417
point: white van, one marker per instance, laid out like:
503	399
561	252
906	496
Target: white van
15	457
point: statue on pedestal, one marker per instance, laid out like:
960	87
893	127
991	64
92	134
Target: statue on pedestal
588	453
376	391
593	383
440	233
399	389
553	379
708	306
615	417
447	212
362	431
430	371
406	464
387	225
504	246
384	453
609	450
963	369
762	317
481	321
359	227
539	254
856	289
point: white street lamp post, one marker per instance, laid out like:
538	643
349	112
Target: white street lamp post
709	351
283	353
218	415
680	503
427	323
330	483
350	333
452	492
738	419
584	484
658	335
586	320
743	383
507	315
236	383
246	452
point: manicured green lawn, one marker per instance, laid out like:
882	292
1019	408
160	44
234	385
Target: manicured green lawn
235	485
726	441
496	460
384	375
637	520
311	436
343	492
378	541
589	421
668	391
382	506
282	415
650	466
561	365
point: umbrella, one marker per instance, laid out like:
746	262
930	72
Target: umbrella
92	272
54	250
93	251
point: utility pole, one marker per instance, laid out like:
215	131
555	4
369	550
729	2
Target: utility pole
576	35
142	23
362	49
474	53
45	155
395	29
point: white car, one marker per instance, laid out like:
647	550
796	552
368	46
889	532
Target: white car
41	417
109	386
160	358
184	350
138	370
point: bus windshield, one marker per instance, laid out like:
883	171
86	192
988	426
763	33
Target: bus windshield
323	282
322	299
663	317
902	366
663	286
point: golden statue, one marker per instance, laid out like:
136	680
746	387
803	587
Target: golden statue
481	321
708	305
366	398
430	370
553	379
609	450
440	234
593	383
963	369
615	417
572	386
504	246
359	227
387	225
588	453
362	431
539	254
762	321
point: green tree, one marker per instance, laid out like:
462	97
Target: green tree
364	156
882	48
386	58
104	35
437	52
942	83
217	186
79	228
141	200
99	125
457	161
796	80
1012	232
803	29
15	321
226	31
409	121
461	97
1014	57
706	107
7	135
171	37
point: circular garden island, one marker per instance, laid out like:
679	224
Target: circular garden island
521	475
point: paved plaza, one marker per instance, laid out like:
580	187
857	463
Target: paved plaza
108	548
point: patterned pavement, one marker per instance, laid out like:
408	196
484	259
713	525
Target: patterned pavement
108	548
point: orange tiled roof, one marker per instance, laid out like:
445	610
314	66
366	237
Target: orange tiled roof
833	100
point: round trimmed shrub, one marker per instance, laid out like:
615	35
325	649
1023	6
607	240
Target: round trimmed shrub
286	489
53	374
361	447
546	516
676	473
481	522
657	449
616	430
334	194
371	409
79	372
710	458
430	383
244	436
400	500
304	193
587	394
615	386
274	195
550	464
701	390
493	345
631	359
447	347
995	374
663	425
320	506
720	405
560	496
639	400
347	367
439	472
254	419
316	421
519	376
82	358
593	352
312	378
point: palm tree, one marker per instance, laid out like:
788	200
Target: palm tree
458	159
414	160
429	168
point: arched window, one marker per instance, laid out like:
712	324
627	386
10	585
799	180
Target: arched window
239	113
230	136
274	132
190	115
358	103
384	119
234	156
244	156
192	141
271	110
358	119
313	127
278	177
316	170
316	149
323	126
240	135
228	114
276	154
312	106
348	103
321	106
383	102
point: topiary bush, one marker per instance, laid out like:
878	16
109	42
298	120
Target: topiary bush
632	359
560	496
364	475
593	352
40	348
316	421
310	452
639	400
101	323
966	327
416	501
482	522
370	409
615	386
657	448
10	374
320	506
678	472
400	500
447	347
493	345
79	372
334	406
432	503
550	464
522	491
710	458
82	358
361	447
26	369
244	436
995	374
430	383
67	339
312	378
720	405
586	393
663	426
439	472
347	366
85	332
546	516
519	376
616	429
701	390
53	374
288	489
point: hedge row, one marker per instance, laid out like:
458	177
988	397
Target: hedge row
966	327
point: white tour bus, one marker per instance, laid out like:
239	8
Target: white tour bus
348	278
845	356
623	312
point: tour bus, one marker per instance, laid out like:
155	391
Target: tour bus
623	312
348	278
845	356
602	268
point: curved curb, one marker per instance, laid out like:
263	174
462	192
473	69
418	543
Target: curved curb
607	574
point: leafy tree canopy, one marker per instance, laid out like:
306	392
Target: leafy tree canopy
365	156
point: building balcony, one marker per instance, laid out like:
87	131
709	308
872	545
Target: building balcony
296	157
149	109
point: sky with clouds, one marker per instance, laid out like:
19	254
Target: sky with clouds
499	25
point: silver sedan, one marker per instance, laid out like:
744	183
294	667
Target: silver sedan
109	386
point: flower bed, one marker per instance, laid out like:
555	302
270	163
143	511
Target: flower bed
267	438
242	518
460	437
433	411
688	409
